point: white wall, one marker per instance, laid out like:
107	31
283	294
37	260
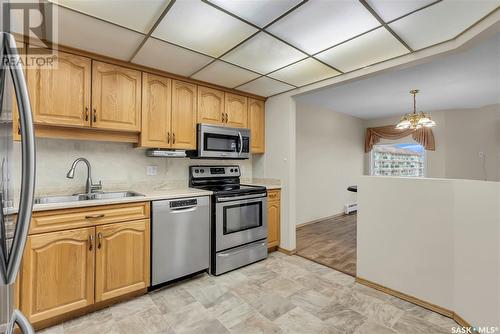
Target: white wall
460	136
118	165
434	239
329	159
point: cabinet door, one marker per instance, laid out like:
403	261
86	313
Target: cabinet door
156	111
122	259
116	97
60	95
183	115
210	105
273	218
256	123
236	110
57	273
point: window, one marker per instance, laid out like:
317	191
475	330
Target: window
398	160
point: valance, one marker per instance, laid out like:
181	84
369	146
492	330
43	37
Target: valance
423	136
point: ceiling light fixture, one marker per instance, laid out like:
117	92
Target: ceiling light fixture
415	120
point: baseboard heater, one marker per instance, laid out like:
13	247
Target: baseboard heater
350	208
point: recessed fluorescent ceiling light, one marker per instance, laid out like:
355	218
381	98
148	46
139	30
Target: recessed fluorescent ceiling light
263	53
224	74
370	48
392	9
260	12
318	25
304	72
441	22
201	27
136	15
265	87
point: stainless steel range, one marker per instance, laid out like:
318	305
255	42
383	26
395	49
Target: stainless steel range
238	231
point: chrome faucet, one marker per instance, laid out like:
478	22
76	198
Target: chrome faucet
90	187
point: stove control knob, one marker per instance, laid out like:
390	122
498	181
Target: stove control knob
202	171
232	170
196	171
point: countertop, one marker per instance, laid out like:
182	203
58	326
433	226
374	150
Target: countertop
149	195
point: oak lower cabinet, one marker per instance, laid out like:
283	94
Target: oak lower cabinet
71	271
122	259
256	123
273	217
57	273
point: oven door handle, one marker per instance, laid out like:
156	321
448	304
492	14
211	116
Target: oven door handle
237	198
241	143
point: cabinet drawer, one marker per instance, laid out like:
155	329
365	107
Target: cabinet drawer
64	219
273	195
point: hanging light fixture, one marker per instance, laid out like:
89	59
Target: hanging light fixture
415	120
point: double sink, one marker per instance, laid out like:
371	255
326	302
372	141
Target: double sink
86	197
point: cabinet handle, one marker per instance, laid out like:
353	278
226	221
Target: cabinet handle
91	242
95	216
94	117
227	117
173	138
168	137
86	114
223	121
99	239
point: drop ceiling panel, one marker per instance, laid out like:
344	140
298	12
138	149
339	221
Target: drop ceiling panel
264	53
441	22
201	27
265	87
86	33
318	25
370	48
171	58
260	12
304	72
392	9
225	74
136	15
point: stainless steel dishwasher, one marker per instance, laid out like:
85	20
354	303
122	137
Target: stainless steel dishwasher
180	238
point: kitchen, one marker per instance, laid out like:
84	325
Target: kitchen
166	173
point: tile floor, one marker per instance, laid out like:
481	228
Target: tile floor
283	294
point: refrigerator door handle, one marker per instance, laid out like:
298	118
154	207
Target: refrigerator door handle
28	159
23	323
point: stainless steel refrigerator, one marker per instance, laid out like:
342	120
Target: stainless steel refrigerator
13	233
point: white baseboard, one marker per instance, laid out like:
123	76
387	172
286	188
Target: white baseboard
321	219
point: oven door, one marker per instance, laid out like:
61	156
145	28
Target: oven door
221	142
239	222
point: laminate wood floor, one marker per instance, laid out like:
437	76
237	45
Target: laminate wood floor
331	242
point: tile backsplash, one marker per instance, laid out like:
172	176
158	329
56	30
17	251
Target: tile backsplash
117	165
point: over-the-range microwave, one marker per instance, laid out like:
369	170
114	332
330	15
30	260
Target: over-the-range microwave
220	142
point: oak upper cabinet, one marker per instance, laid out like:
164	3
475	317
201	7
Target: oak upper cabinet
236	114
210	106
184	106
57	273
256	123
273	217
116	97
122	259
60	94
156	111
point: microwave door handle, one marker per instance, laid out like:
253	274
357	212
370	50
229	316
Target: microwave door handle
23	323
241	143
28	159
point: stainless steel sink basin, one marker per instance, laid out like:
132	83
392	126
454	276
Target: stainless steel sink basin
84	197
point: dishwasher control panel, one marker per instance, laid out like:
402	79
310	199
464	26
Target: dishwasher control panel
183	203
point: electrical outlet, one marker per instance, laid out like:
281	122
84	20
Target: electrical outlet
151	170
482	155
